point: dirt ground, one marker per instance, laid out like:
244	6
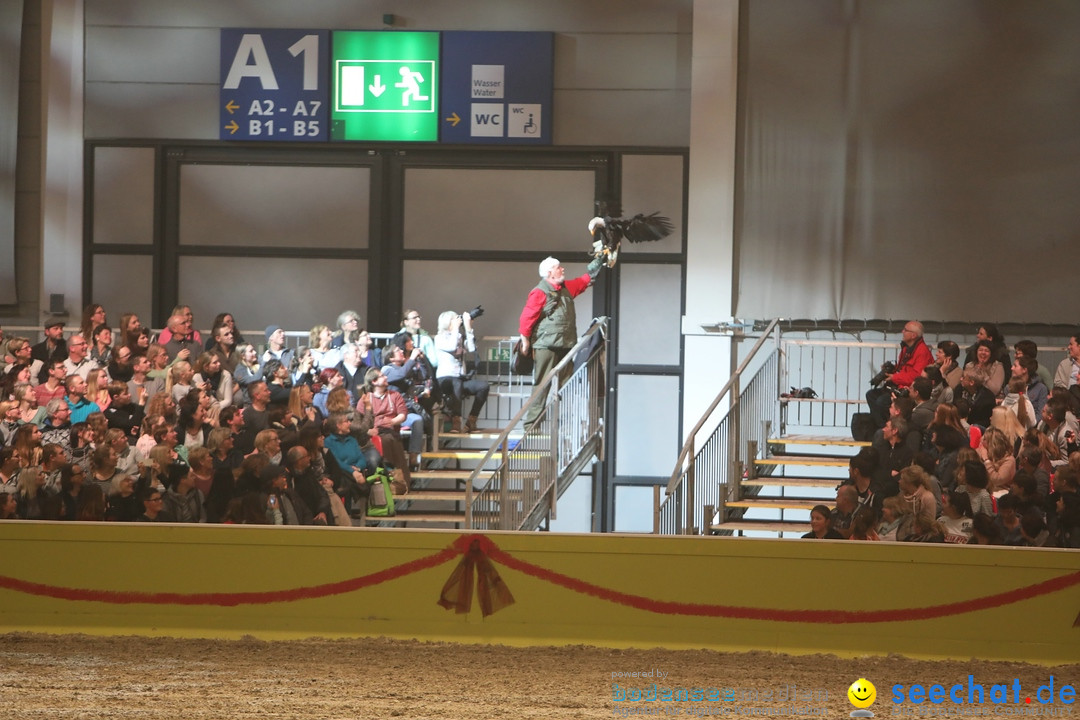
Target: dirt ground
89	677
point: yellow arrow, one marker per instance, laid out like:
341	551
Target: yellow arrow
232	107
232	127
453	119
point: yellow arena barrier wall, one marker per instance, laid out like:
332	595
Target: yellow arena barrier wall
930	601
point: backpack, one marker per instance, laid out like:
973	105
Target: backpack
862	427
381	498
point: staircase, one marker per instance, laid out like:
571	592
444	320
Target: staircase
780	488
439	495
511	478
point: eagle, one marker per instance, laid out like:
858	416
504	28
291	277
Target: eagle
608	233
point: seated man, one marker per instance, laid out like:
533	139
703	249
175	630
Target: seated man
53	388
122	413
77	362
450	371
81	407
1058	427
183	341
276	350
57	427
923	413
914	356
350	369
847	507
1069	368
52	348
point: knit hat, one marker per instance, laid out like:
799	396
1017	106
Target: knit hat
270	330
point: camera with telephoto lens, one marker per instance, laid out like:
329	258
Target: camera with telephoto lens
887	368
475	312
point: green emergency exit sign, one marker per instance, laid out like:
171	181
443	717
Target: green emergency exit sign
384	86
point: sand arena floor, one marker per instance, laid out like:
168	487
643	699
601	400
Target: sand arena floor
78	676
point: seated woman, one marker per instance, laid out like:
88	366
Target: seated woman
349	463
302	407
214	379
455	383
996	453
956	518
366	352
101	346
324	354
248	370
93	316
988	364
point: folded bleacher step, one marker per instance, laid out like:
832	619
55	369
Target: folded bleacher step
773	526
810	460
822	440
441	474
790	481
775	503
455	518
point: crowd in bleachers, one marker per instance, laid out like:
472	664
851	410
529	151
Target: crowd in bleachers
136	426
980	450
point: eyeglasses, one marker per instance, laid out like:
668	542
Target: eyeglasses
413	317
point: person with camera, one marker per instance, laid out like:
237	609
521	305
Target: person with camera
548	324
914	356
451	349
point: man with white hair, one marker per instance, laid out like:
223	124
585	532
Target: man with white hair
548	324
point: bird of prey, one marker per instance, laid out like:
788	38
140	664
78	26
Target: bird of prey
609	232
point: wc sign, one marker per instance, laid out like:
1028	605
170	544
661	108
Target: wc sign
497	88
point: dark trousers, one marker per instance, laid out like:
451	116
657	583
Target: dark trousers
880	400
545	359
454	389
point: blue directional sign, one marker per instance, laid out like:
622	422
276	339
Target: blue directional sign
497	87
274	85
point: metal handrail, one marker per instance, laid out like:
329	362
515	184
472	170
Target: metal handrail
688	446
540	393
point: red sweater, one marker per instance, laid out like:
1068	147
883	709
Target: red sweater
534	305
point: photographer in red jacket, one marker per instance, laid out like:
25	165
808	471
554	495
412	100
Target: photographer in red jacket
914	356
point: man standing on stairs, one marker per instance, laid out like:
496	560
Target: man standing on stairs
914	356
548	324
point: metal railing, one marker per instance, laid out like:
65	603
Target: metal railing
704	480
524	486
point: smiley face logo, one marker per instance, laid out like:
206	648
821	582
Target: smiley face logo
862	693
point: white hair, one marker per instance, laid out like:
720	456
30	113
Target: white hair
547	265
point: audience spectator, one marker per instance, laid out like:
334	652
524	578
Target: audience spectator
820	525
1028	349
77	362
93	316
348	323
410	324
455	381
53	348
1025	369
183	341
914	356
1067	369
321	342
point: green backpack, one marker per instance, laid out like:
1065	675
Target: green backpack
380	497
